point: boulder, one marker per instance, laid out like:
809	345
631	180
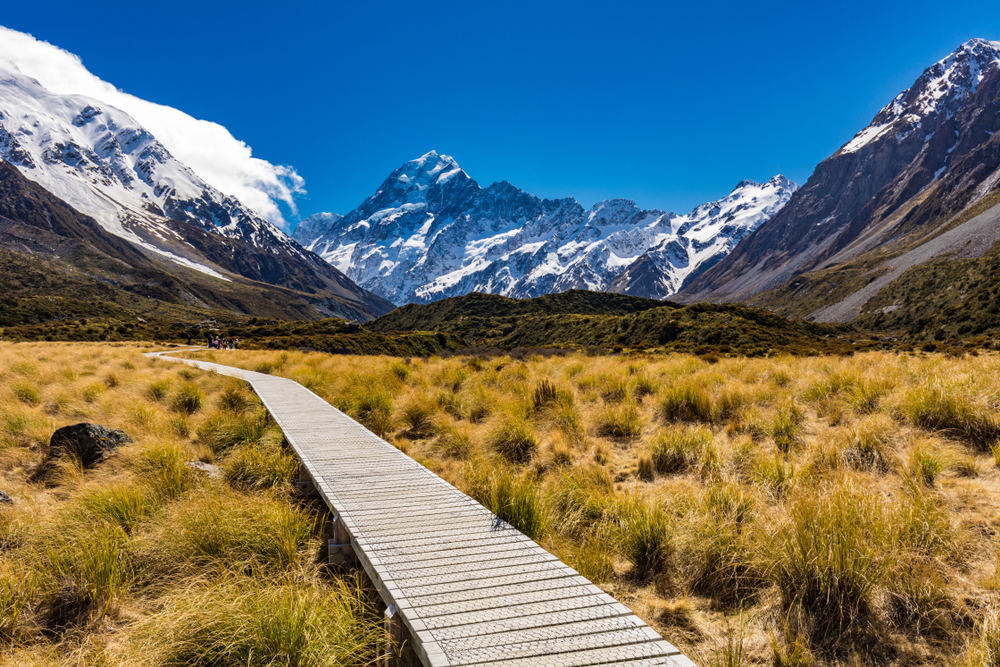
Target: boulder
88	442
5	499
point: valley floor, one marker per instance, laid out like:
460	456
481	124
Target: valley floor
782	511
772	511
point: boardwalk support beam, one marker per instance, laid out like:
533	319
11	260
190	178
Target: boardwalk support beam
340	549
304	483
396	652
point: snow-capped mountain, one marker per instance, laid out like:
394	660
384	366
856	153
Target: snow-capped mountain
104	164
926	156
935	97
431	232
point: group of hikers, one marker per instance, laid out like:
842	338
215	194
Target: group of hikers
220	343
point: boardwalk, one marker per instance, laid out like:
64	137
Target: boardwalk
468	588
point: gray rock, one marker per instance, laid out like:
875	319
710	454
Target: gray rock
212	471
88	442
5	499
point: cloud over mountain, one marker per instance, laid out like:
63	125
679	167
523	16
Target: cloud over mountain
208	148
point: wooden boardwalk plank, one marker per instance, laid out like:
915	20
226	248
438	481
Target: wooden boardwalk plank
470	588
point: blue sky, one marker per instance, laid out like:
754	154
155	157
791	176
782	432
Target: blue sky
668	104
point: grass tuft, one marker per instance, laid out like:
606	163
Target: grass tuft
680	448
685	401
188	400
513	438
644	534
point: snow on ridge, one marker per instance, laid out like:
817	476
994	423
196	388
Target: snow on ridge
954	77
502	240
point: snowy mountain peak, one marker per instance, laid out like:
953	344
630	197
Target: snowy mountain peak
431	232
939	92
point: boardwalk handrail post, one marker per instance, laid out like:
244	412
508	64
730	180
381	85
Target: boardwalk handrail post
396	652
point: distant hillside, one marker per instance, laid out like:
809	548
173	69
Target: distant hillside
579	318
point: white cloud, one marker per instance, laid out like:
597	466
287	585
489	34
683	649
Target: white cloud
208	148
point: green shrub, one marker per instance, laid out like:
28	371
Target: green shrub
123	504
418	417
592	559
865	443
372	406
235	532
400	370
26	393
188	400
92	568
786	426
454	439
225	430
953	410
926	465
774	473
643	385
163	469
580	497
235	399
18	588
93	391
545	394
828	561
513	438
720	559
680	448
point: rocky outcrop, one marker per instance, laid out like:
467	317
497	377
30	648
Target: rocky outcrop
89	443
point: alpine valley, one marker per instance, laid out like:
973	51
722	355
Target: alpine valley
431	232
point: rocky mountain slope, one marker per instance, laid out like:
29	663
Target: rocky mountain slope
99	161
431	231
928	165
56	263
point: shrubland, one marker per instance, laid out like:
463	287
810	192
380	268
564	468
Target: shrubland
142	559
818	510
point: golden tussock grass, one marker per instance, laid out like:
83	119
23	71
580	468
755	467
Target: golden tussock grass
790	511
142	560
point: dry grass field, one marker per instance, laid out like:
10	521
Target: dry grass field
141	560
782	511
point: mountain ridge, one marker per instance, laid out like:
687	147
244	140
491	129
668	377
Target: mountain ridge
430	231
926	157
